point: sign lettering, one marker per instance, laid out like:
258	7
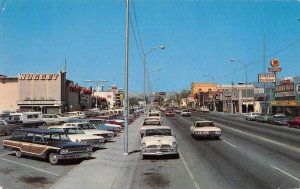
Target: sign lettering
38	76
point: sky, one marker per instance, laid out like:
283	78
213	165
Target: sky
200	36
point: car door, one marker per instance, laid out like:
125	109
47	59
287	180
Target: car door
38	147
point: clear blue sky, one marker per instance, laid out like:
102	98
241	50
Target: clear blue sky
200	38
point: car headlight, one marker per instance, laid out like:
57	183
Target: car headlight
89	149
174	145
64	151
143	145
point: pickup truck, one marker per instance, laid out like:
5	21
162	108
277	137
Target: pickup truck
251	116
8	127
294	123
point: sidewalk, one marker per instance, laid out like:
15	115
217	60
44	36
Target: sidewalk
110	168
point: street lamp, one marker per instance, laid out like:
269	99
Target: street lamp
149	87
145	73
246	70
97	82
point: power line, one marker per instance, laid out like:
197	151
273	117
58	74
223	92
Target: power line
266	57
137	27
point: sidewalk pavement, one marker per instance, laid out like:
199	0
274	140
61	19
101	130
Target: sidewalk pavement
110	169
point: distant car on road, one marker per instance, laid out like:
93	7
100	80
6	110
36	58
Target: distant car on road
251	116
170	113
205	129
148	123
158	141
294	123
186	112
7	128
278	119
262	118
204	109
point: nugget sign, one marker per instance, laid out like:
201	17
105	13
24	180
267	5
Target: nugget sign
274	63
266	78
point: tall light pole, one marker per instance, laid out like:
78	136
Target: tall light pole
96	82
149	85
213	79
145	73
246	70
125	150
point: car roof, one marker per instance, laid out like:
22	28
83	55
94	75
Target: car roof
62	127
204	121
158	127
40	131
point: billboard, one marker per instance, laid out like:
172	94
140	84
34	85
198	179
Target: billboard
266	78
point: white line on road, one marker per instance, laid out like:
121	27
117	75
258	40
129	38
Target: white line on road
229	143
176	162
30	167
5	155
190	172
264	139
285	173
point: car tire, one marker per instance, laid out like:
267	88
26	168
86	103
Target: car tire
19	154
53	159
176	156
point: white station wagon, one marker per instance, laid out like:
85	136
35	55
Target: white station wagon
205	129
157	141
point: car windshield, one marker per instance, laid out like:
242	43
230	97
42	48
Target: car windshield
153	132
205	124
153	114
71	131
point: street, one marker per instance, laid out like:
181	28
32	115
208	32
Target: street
249	155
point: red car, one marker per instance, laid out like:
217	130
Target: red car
170	113
294	123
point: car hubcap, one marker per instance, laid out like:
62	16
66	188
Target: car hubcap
18	154
53	158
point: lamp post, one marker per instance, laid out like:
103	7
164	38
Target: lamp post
213	79
145	72
246	70
96	82
149	85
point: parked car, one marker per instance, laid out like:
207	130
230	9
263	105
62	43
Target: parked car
147	124
7	128
186	112
294	123
154	114
158	141
52	119
55	146
205	129
251	116
92	130
29	119
204	109
76	134
262	118
278	119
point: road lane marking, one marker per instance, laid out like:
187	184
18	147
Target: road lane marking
30	167
151	163
5	155
285	173
264	139
229	143
189	171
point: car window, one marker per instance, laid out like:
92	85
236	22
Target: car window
152	132
205	124
152	123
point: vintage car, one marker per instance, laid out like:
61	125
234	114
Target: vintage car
202	129
204	109
159	140
154	114
186	112
48	144
170	113
278	119
76	134
92	130
7	127
262	118
147	124
30	119
52	119
294	123
251	116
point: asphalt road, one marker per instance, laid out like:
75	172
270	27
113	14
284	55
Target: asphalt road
248	155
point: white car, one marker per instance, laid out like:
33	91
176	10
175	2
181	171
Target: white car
149	123
92	130
204	109
159	140
186	112
52	119
76	134
202	129
251	116
154	114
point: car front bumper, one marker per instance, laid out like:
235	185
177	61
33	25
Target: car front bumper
159	152
80	155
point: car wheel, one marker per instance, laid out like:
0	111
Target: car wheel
19	154
53	158
176	156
